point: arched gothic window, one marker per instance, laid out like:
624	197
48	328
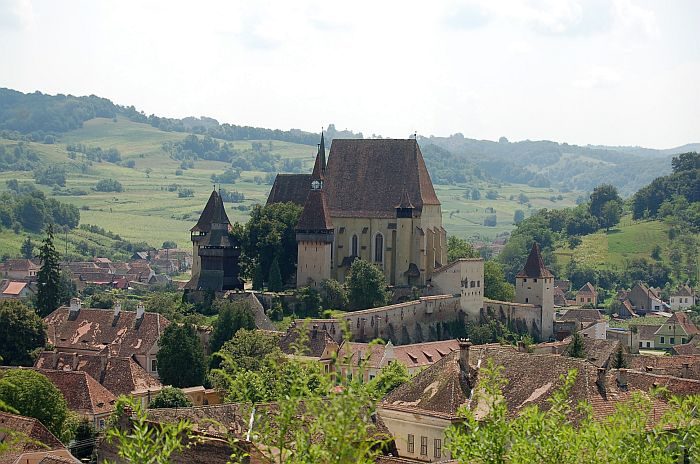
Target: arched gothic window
379	248
353	246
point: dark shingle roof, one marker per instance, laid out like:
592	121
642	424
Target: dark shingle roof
534	266
32	436
587	288
315	339
646	332
213	212
290	188
582	315
367	177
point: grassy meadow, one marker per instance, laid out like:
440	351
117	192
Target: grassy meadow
147	211
630	239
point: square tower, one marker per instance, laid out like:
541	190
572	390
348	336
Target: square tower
535	285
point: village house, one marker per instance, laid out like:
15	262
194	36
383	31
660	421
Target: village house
418	412
352	359
677	330
35	443
587	295
19	269
110	332
644	299
647	335
84	395
373	200
683	298
14	290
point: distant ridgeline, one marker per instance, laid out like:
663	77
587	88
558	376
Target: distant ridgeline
559	165
39	115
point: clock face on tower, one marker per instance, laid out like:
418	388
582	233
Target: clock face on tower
316	185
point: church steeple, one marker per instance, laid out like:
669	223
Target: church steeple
315	216
318	174
322	152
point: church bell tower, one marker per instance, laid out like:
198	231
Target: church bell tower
315	232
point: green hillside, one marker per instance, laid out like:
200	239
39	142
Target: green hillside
150	209
629	240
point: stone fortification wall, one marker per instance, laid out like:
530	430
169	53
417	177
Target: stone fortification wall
404	323
518	316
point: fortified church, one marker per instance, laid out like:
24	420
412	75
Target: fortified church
373	200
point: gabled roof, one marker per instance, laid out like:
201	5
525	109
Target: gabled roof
365	177
683	290
213	213
647	332
14	288
292	188
582	315
33	436
684	321
534	266
98	329
83	394
315	339
587	289
687	366
20	264
119	375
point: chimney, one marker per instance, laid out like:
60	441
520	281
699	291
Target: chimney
117	308
600	379
140	310
685	371
521	346
75	306
622	379
464	345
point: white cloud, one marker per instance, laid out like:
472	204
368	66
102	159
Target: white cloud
598	76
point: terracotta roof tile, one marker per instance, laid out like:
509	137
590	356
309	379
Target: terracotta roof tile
315	339
82	393
582	315
14	288
290	188
588	289
35	437
97	329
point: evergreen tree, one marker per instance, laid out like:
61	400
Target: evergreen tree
618	361
181	357
576	349
48	277
258	279
274	283
233	315
27	248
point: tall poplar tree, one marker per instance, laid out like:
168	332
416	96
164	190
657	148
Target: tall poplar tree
48	277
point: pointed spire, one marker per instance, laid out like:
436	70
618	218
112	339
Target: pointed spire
322	152
213	213
534	266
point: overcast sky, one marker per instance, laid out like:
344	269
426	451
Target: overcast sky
601	72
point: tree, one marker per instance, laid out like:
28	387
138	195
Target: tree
610	214
576	348
366	285
476	194
333	295
459	248
600	196
518	216
274	281
656	252
391	376
33	395
495	285
248	348
48	277
108	185
22	332
169	245
310	301
181	357
270	233
140	442
258	279
233	315
27	248
170	397
85	435
619	361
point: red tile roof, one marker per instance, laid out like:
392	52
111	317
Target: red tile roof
33	436
83	394
587	289
14	288
98	329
